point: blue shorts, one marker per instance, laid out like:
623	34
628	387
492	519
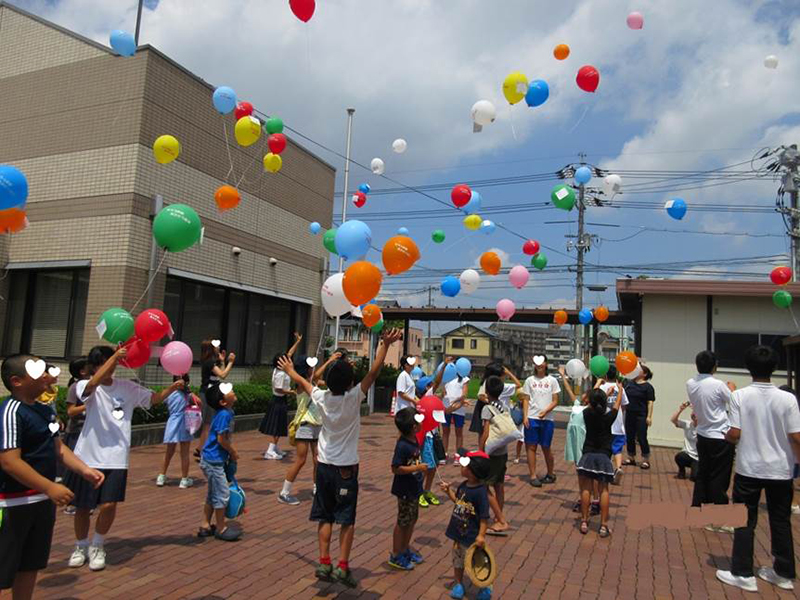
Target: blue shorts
458	420
617	444
427	452
218	490
796	472
540	433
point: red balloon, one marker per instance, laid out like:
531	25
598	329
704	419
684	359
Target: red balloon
138	353
530	247
276	143
461	194
359	199
303	9
428	406
152	325
243	109
588	78
781	275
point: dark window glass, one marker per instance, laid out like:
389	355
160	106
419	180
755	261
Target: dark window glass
50	317
254	304
15	317
202	314
277	321
776	341
730	348
78	321
458	343
237	315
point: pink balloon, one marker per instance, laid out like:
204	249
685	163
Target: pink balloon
518	276
176	358
505	309
635	20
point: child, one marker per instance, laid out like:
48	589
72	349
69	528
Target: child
796	471
78	370
407	486
404	385
29	450
540	397
176	433
455	396
470	518
213	368
337	451
425	387
275	421
105	444
688	456
609	386
217	455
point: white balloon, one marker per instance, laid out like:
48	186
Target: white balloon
576	369
483	112
470	280
771	62
612	185
635	373
377	166
399	145
333	298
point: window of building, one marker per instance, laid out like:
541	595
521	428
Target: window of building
473	344
46	312
458	343
730	347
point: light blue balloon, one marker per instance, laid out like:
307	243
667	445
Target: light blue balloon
538	93
463	367
224	99
423	383
123	43
585	316
474	204
676	208
416	373
583	175
451	286
314	228
488	227
450	373
13	187
402	231
364	187
353	239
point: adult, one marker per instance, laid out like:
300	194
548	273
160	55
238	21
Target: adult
765	426
686	458
539	399
455	399
710	398
405	386
275	422
639	416
214	367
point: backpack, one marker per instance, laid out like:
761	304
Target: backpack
502	430
236	501
193	416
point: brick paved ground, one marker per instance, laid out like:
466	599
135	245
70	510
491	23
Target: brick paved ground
152	551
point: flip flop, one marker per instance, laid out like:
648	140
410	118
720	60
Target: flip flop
604	531
500	533
645	465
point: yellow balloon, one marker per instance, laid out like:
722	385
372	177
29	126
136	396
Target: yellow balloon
515	87
166	149
272	163
247	131
472	222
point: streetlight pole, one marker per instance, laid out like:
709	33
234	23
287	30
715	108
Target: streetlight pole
350	112
138	22
579	275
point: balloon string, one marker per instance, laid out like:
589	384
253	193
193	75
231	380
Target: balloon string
585	110
228	148
791	312
149	283
458	241
511	120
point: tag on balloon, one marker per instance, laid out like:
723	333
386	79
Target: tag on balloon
101	328
216	343
225	388
312	361
562	193
464	461
35	368
538	360
202	234
411	360
419	418
54	371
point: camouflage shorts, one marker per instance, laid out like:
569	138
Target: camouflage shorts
407	511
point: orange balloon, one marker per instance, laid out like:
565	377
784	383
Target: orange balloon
12	220
490	263
601	314
227	197
560	317
626	362
399	254
361	282
561	51
371	315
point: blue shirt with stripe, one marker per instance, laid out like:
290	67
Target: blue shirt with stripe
27	427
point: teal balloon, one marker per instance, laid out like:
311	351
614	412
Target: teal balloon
438	236
539	261
782	299
563	197
329	240
118	325
177	227
599	366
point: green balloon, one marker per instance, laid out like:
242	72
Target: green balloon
438	236
274	125
378	327
782	299
118	325
599	366
563	196
177	227
539	260
329	240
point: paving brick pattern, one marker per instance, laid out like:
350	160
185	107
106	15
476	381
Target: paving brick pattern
152	551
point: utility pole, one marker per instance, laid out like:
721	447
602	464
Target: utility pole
579	277
350	112
789	160
138	22
428	342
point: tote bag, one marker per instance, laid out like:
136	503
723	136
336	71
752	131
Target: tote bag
502	430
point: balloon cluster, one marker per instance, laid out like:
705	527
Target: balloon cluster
359	199
13	198
781	276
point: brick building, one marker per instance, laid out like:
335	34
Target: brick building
80	122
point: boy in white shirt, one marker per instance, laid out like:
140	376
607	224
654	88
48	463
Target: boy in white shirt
765	426
539	398
686	458
337	455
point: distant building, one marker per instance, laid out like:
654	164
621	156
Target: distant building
559	348
532	338
354	338
432	352
482	346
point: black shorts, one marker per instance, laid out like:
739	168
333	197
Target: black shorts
337	495
497	469
26	532
112	490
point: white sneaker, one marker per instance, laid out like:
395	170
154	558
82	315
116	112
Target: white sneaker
280	452
769	574
186	482
796	509
97	558
271	456
161	480
748	584
78	558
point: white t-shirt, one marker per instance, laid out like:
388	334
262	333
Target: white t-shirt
709	398
453	391
689	437
280	381
341	425
766	416
618	427
105	441
509	389
405	385
540	393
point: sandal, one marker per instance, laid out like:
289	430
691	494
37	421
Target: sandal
645	465
604	531
629	462
584	529
204	532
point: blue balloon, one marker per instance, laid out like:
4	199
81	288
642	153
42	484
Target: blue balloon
585	316
314	228
538	93
224	99
488	227
13	187
123	43
364	187
450	373
416	373
402	231
463	367
583	175
423	383
474	204
353	239
451	286
676	208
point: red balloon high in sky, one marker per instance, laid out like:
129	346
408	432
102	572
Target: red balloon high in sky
588	78
461	195
303	9
530	247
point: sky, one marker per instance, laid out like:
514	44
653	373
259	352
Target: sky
688	92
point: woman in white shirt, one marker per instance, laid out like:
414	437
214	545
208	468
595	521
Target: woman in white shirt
405	386
455	399
276	422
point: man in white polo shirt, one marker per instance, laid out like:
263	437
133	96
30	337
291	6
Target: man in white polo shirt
765	425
